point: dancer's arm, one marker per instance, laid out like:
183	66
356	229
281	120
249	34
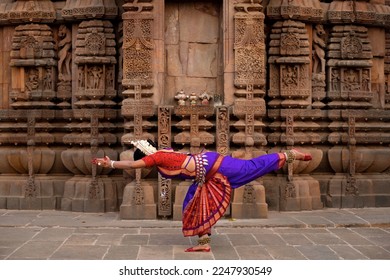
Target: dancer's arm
120	164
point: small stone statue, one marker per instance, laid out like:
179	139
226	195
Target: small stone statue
193	98
205	98
181	97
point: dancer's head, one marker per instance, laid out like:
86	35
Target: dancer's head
144	148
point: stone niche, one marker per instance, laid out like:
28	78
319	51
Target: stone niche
33	67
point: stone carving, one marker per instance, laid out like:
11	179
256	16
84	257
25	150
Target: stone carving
137	52
64	53
194	126
31	11
32	62
64	66
181	98
165	200
249	194
249	46
297	9
223	129
205	98
290	85
89	9
326	93
349	70
319	49
319	66
95	58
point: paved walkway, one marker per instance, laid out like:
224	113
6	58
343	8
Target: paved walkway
329	234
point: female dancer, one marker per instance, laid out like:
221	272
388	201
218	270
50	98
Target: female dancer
214	176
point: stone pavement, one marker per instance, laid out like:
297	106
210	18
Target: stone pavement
328	234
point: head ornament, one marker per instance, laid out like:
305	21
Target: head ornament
144	146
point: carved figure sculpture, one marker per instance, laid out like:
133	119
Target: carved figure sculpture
318	52
64	53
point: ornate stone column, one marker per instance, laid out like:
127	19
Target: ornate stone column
249	105
294	108
92	71
139	48
358	101
26	137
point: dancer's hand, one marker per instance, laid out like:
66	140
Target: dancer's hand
104	162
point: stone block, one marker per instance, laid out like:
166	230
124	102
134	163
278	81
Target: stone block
192	29
3	202
291	204
31	203
48	203
255	209
369	201
382	201
77	205
13	203
377	35
94	205
180	193
145	208
138	212
66	204
202	60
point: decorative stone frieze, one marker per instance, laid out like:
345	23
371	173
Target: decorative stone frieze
85	9
358	12
27	11
138	83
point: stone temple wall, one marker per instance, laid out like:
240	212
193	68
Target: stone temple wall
81	79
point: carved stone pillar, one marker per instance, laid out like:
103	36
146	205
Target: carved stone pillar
296	120
249	104
138	81
26	158
165	192
223	130
91	77
89	190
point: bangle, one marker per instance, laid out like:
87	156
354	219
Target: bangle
112	164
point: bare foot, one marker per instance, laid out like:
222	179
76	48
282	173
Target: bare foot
199	248
301	156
